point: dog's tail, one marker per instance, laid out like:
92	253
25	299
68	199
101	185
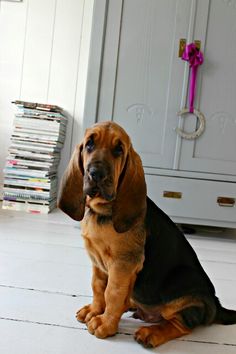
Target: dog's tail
225	316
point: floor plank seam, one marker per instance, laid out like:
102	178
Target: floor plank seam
215	261
41	323
54	325
207	342
44	291
119	332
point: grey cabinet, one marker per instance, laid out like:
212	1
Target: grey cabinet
137	79
215	150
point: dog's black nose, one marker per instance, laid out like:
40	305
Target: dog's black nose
97	173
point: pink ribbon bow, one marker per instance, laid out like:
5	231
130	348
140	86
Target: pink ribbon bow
195	58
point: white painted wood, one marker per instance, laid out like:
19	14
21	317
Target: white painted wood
38	50
110	60
44	252
139	86
220	270
227	257
12	34
64	65
63	230
57	340
61	307
200	221
225	290
214	151
190	174
52	276
95	62
199	197
143	83
44	279
43	57
183	103
77	132
218	234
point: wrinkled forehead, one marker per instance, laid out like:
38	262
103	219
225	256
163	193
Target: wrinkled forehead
107	134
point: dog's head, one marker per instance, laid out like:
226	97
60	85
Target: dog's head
106	174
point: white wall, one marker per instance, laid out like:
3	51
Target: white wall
44	46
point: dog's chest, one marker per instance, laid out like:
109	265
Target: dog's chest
101	241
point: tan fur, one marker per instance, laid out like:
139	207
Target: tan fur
117	257
170	310
156	335
116	247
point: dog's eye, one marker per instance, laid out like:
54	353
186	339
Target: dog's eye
118	150
90	145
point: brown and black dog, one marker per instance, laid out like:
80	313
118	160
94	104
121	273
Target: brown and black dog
140	258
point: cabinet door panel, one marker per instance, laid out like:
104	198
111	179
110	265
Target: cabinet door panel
215	150
144	83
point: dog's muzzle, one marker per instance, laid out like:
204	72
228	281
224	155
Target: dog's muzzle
99	181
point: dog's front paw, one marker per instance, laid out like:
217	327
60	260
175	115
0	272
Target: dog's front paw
102	326
87	313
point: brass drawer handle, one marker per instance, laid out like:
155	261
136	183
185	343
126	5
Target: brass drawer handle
172	194
226	201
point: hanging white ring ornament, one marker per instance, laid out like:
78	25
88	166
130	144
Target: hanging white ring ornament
199	131
194	56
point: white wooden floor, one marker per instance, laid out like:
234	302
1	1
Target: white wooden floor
45	277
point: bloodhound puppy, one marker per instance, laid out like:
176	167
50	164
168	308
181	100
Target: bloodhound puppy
140	258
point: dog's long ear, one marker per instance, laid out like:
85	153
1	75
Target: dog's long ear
130	203
71	199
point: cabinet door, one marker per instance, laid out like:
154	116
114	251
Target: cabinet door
214	151
142	76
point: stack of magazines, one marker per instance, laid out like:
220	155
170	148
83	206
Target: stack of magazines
30	174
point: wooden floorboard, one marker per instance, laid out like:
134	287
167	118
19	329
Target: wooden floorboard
45	276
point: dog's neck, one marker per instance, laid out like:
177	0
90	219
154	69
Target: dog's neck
100	219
